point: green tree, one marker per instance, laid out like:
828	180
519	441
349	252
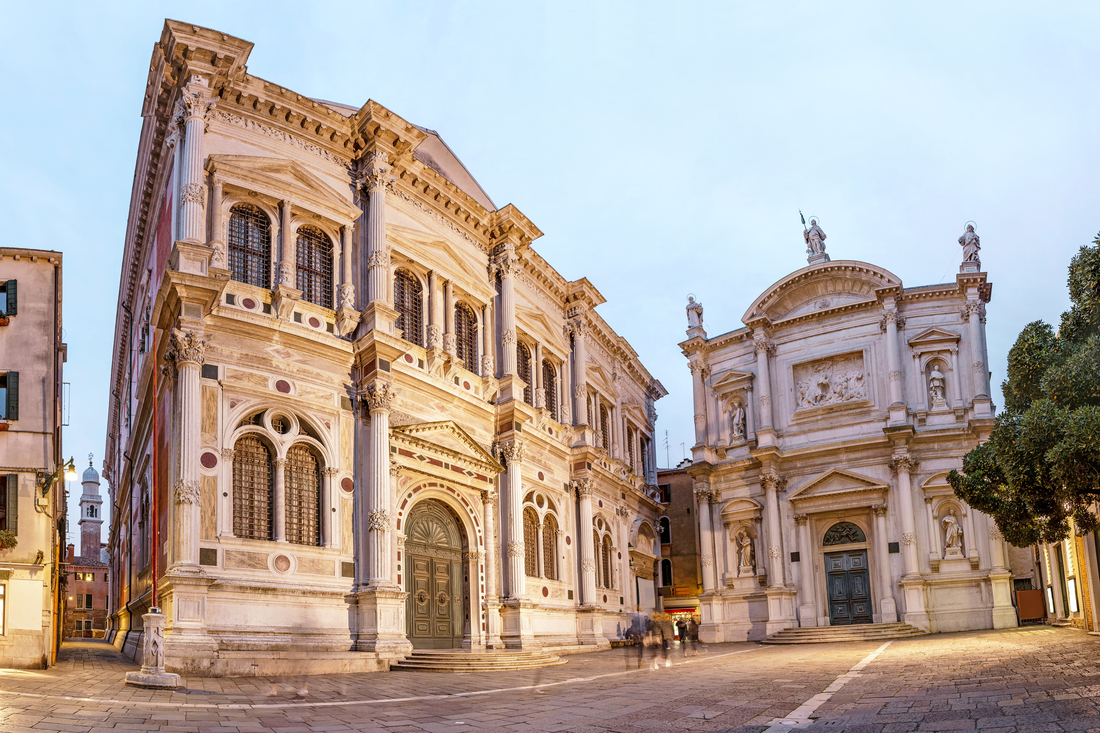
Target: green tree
1041	464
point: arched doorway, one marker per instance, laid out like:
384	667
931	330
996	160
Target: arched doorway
434	577
846	575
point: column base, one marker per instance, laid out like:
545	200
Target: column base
191	257
1004	613
380	617
517	629
817	259
916	613
378	315
888	610
590	627
711	616
492	627
780	609
807	615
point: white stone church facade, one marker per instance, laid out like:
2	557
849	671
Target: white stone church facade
825	428
357	411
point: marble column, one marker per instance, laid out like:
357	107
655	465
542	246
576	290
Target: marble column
891	319
379	396
217	240
706	534
285	268
771	482
540	561
580	372
698	400
194	105
721	540
328	508
488	363
225	493
187	351
539	389
278	504
1000	580
888	609
583	487
902	464
378	254
956	380
492	548
978	366
450	340
435	313
506	263
969	538
512	454
347	289
807	612
763	349
933	535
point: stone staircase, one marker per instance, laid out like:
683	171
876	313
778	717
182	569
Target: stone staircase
463	660
832	634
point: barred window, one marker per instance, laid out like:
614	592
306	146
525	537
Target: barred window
588	404
314	258
252	488
596	551
550	387
530	542
630	438
408	301
466	335
550	548
303	496
250	245
523	363
605	563
605	429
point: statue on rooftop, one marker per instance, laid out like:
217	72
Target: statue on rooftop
695	313
971	245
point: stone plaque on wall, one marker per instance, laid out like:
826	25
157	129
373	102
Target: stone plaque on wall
834	381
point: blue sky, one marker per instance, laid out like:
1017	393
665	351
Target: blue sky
664	149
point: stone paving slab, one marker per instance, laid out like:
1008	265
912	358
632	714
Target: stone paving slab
1032	679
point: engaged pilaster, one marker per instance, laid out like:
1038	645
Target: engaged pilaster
512	455
193	106
887	606
378	397
706	533
583	487
186	352
772	482
764	349
578	328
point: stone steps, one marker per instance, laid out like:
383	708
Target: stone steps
464	661
858	632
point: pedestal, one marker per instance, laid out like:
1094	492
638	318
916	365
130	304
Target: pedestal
916	613
380	613
817	259
590	627
807	615
968	267
152	672
518	629
710	618
1004	614
780	609
378	315
493	626
888	610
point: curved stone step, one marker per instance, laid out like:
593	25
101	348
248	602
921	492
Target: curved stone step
462	660
832	634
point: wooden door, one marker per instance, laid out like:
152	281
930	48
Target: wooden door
433	556
849	586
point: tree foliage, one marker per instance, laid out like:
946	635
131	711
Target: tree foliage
1041	465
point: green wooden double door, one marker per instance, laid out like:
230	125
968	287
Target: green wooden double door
435	608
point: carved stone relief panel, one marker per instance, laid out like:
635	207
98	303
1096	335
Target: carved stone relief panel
833	381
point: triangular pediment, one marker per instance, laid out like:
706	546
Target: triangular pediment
730	380
933	336
446	439
835	483
433	252
282	179
538	324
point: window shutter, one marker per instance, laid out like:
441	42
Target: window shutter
13	301
13	503
13	396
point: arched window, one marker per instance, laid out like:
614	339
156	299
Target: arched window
466	336
314	257
530	542
523	364
550	548
666	572
605	430
408	301
303	496
605	563
250	245
252	485
596	552
550	387
666	531
843	533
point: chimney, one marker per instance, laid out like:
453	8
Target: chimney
72	553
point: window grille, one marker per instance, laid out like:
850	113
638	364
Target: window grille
303	496
466	335
252	484
596	551
523	357
843	533
550	548
250	245
530	542
550	387
605	429
314	257
630	438
408	301
605	562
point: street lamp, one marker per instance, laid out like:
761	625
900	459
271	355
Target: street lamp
69	471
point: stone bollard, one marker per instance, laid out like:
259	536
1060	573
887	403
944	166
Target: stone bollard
152	672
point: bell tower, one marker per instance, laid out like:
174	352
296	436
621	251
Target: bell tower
91	517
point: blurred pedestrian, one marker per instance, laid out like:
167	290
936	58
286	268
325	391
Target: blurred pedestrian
682	632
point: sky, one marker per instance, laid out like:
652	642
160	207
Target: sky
663	148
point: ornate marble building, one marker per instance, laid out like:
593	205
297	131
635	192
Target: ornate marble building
357	412
825	427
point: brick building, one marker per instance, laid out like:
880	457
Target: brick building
86	590
678	573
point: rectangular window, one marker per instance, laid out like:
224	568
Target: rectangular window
9	395
88	601
1072	583
80	600
9	301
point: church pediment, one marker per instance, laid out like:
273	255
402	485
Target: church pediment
281	179
442	447
438	254
823	288
837	484
731	381
934	337
538	324
741	508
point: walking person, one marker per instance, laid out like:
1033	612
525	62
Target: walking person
682	632
693	633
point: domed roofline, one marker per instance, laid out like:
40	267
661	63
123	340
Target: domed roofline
822	287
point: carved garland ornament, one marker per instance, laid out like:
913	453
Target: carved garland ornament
707	561
909	538
187	492
508	338
378	258
588	565
378	521
516	549
774	551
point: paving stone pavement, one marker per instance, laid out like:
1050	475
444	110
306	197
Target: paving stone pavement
1031	679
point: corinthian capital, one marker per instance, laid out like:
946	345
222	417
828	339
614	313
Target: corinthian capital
577	328
761	344
582	486
377	170
195	101
186	348
511	452
772	481
379	395
903	462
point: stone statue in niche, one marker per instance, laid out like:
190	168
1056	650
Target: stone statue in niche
952	535
830	382
815	239
936	387
695	313
971	245
737	420
746	553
